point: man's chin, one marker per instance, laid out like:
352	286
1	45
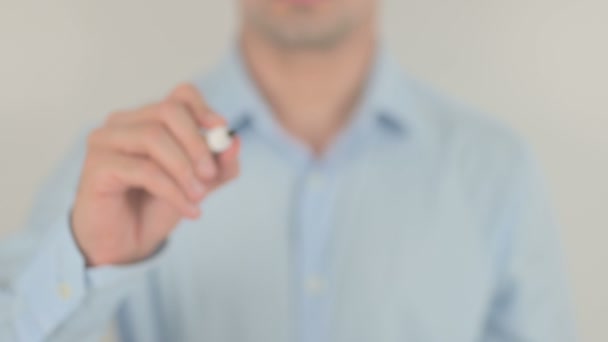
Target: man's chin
305	33
308	37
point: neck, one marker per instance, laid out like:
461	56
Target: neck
311	92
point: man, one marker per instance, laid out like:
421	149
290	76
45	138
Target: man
368	208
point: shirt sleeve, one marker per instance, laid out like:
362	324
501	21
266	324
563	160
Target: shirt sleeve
56	283
532	301
49	287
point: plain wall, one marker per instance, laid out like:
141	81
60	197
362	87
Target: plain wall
539	65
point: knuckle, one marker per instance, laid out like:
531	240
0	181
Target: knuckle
94	138
171	113
167	109
167	189
114	118
219	119
92	168
185	88
100	174
213	119
154	133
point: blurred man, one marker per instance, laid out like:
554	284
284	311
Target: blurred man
368	208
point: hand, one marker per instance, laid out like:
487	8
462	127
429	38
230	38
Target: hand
144	171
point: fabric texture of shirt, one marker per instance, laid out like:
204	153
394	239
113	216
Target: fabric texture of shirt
424	222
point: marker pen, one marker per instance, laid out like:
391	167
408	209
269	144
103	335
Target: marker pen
219	138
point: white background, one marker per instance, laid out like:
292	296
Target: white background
539	65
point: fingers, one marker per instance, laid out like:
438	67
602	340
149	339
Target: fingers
184	113
169	134
182	124
139	172
188	95
227	162
153	141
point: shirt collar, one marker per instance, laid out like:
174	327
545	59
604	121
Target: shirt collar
385	103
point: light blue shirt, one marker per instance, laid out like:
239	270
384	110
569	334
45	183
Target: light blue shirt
424	222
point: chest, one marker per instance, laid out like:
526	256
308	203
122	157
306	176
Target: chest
407	256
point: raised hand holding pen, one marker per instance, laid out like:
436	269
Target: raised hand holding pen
144	171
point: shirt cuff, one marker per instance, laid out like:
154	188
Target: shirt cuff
117	275
51	286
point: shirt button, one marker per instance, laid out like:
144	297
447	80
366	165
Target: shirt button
65	291
315	286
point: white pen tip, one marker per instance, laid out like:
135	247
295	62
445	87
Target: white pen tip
218	139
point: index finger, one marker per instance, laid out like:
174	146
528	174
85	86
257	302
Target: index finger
188	95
